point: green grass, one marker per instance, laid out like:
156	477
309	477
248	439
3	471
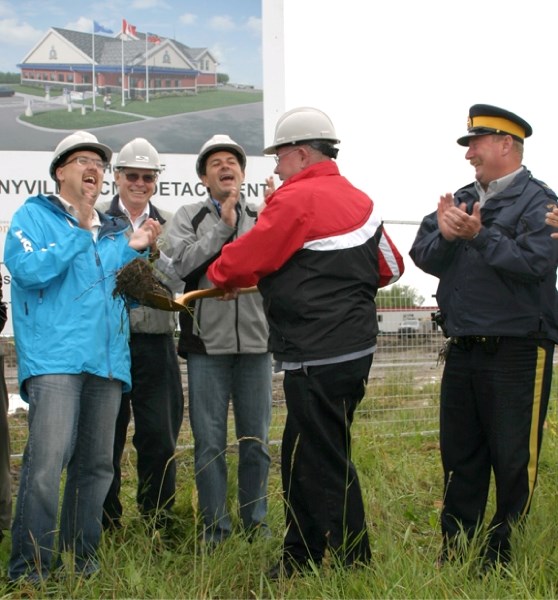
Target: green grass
173	105
401	477
158	106
62	119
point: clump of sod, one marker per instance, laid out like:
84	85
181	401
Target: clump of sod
136	282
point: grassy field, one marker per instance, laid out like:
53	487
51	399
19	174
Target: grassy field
58	116
401	477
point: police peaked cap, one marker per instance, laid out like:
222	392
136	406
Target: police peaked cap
485	119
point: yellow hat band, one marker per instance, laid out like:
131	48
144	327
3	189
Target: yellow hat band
498	124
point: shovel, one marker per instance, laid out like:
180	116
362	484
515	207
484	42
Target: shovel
181	302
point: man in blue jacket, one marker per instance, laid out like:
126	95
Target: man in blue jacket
492	251
71	337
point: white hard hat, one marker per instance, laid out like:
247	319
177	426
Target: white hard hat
303	124
139	154
78	140
217	143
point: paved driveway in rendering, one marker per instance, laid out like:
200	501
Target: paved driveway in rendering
180	134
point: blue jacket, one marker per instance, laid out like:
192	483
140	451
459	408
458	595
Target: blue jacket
66	320
502	283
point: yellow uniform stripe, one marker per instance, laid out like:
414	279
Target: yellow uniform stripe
534	434
498	124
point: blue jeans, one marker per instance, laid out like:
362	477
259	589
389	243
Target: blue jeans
71	424
213	381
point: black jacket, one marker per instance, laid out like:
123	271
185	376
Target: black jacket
502	283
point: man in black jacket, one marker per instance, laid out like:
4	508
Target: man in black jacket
156	398
496	262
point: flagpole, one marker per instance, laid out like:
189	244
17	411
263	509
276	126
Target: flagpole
122	39
146	71
93	70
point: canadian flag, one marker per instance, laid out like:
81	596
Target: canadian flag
129	29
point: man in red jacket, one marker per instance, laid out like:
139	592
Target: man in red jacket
318	254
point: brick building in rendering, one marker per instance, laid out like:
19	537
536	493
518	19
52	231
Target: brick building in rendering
72	59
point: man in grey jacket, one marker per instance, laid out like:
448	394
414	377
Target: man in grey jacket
156	398
226	347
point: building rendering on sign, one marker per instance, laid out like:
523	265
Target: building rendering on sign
137	66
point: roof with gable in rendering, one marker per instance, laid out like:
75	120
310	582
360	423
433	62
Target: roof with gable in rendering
63	49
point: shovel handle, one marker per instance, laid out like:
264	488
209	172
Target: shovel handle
209	293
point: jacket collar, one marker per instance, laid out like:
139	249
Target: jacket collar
470	194
114	210
323	168
211	203
109	223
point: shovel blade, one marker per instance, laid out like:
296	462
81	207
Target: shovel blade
181	303
162	302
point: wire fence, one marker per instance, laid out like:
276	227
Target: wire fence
402	397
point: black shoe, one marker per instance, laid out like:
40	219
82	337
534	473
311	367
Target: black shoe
496	567
280	571
112	525
159	519
111	522
260	531
287	568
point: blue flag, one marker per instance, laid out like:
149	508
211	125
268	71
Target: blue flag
100	29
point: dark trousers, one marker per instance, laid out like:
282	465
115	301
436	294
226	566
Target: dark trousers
323	500
158	404
5	476
493	407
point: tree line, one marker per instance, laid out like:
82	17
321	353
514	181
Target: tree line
398	296
6	77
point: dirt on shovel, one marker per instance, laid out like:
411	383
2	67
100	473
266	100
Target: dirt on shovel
136	281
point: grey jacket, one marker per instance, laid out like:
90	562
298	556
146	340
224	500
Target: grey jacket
195	237
142	318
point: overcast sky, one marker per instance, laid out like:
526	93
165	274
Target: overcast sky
230	29
398	77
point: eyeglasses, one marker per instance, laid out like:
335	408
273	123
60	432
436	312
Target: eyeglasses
278	157
147	177
85	161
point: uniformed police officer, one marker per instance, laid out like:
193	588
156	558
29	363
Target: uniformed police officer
490	248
